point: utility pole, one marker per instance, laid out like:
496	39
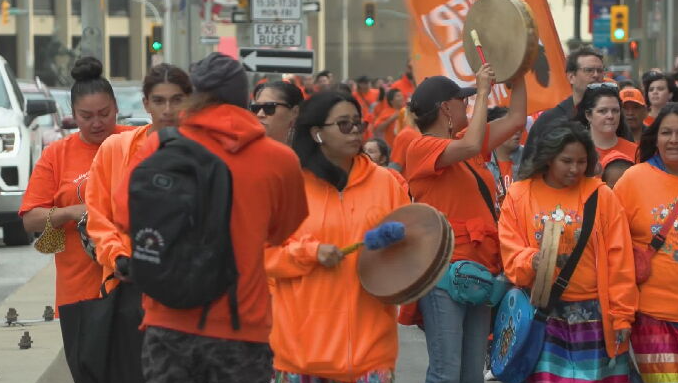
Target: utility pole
167	34
669	36
92	16
344	41
321	36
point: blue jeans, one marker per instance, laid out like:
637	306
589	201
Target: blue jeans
456	338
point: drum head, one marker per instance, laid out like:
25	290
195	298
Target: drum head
508	34
399	272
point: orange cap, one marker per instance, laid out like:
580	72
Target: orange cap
613	156
632	95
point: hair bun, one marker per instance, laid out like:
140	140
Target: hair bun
87	68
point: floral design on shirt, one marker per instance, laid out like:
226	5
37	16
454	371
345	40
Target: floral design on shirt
659	215
567	217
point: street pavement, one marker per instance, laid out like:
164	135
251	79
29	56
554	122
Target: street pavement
25	275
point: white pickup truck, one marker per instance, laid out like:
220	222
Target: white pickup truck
20	148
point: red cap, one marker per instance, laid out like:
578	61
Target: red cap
615	155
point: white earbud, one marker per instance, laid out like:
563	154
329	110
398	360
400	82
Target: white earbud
320	140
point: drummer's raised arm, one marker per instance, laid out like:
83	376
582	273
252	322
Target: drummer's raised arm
502	129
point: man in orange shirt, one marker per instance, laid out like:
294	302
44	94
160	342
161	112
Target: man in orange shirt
367	98
269	203
635	111
406	83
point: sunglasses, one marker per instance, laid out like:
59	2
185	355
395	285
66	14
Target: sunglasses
268	107
346	126
597	85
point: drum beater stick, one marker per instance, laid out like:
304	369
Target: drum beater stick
479	47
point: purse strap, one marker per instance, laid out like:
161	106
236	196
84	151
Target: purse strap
484	191
566	272
48	224
659	239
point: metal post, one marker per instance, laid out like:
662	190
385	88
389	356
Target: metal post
92	43
344	41
669	36
207	18
577	20
167	33
321	36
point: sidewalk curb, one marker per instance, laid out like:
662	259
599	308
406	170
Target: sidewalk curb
44	361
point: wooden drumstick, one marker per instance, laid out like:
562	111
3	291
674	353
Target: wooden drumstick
543	280
479	47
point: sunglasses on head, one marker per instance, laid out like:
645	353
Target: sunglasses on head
268	107
346	126
597	85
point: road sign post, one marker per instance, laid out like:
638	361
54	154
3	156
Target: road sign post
277	60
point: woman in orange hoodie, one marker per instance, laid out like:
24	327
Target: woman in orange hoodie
590	324
649	192
325	326
391	120
57	185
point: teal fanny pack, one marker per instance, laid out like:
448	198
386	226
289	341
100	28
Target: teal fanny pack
471	283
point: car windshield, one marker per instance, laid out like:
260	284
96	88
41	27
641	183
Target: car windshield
129	101
4	96
63	99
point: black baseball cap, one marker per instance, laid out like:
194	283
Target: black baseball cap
434	90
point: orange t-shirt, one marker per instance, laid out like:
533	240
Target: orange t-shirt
367	101
623	145
648	120
389	133
648	194
405	86
454	191
400	144
566	206
62	168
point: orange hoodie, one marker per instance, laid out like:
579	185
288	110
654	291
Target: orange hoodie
606	267
107	172
648	194
269	203
324	323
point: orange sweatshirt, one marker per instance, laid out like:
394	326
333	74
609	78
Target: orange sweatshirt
63	166
389	133
324	323
648	194
625	146
269	203
605	270
107	172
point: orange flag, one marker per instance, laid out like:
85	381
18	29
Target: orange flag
437	49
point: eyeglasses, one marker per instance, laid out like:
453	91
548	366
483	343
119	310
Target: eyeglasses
592	70
597	85
268	107
346	126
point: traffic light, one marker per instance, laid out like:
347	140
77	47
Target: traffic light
619	23
634	49
156	38
370	14
4	9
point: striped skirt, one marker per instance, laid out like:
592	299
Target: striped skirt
655	344
574	348
380	376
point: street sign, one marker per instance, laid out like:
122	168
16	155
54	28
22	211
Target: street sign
276	34
208	28
269	10
601	33
277	60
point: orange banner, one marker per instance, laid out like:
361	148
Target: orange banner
437	49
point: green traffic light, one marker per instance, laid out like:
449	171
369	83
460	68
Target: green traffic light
157	45
619	34
369	21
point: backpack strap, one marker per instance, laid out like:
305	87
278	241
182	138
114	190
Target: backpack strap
168	134
659	238
484	191
566	272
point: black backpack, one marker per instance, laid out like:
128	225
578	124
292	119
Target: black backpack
179	213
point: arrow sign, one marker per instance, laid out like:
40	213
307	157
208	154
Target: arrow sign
277	61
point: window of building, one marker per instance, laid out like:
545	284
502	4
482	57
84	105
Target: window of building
118	7
43	7
119	52
75	7
8	50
